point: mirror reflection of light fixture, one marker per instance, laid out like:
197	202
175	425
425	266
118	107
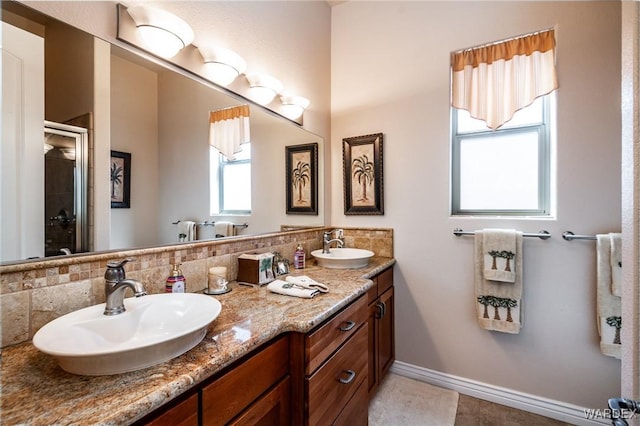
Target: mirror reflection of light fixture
222	65
263	88
293	106
162	33
47	147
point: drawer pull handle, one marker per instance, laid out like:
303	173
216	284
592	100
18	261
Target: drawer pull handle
352	375
347	326
381	310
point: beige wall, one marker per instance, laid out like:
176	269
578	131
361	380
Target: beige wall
134	129
390	74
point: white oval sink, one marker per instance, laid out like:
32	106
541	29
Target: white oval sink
152	330
343	258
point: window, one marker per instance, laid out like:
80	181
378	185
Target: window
505	171
230	182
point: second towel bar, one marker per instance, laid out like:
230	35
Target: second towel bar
569	236
543	235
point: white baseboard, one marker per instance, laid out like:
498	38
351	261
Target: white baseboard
558	410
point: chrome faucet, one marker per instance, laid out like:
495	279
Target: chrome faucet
326	240
115	284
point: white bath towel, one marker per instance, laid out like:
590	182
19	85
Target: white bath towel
500	250
616	263
609	307
304	281
224	229
498	305
186	230
288	289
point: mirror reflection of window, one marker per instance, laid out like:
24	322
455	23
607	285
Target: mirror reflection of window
230	184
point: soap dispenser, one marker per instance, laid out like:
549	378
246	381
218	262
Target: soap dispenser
175	282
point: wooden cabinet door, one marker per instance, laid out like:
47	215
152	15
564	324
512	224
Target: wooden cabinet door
272	409
228	396
385	334
373	345
185	413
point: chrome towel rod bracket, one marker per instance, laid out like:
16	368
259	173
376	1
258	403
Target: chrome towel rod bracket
543	235
570	236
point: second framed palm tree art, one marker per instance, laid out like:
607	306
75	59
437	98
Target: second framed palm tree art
362	164
302	179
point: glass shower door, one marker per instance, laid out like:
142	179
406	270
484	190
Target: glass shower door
65	182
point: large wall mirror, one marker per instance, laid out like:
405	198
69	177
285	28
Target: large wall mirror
133	104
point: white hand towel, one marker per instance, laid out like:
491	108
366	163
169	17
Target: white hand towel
186	230
224	229
609	307
306	282
616	263
288	289
498	306
499	247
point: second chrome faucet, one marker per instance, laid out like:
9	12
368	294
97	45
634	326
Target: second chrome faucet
327	240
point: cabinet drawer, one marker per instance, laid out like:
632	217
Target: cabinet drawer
325	340
227	396
337	380
356	412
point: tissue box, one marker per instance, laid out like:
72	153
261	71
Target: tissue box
255	269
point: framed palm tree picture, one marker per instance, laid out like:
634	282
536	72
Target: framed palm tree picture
362	165
302	179
120	179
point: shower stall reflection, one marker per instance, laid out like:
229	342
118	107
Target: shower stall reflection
65	194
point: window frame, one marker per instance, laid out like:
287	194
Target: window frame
222	163
543	129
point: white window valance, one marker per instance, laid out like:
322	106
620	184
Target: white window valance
228	129
494	81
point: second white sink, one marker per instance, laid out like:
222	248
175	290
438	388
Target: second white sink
343	258
153	329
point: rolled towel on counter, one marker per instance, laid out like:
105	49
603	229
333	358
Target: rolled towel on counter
288	289
500	250
306	282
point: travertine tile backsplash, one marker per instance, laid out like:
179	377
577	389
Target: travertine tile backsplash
35	293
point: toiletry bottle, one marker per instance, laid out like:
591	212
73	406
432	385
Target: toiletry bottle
298	257
175	282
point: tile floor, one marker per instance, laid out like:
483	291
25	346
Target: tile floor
477	412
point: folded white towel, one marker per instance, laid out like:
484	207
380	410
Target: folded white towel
186	230
288	289
498	306
609	307
616	263
499	247
224	229
306	282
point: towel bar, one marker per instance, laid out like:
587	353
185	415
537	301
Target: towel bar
569	236
205	223
543	235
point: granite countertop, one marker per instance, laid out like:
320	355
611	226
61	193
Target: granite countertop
36	391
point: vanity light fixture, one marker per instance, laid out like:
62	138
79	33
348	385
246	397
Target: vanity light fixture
263	88
293	106
162	33
222	65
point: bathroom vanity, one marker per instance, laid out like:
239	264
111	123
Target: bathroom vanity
267	359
